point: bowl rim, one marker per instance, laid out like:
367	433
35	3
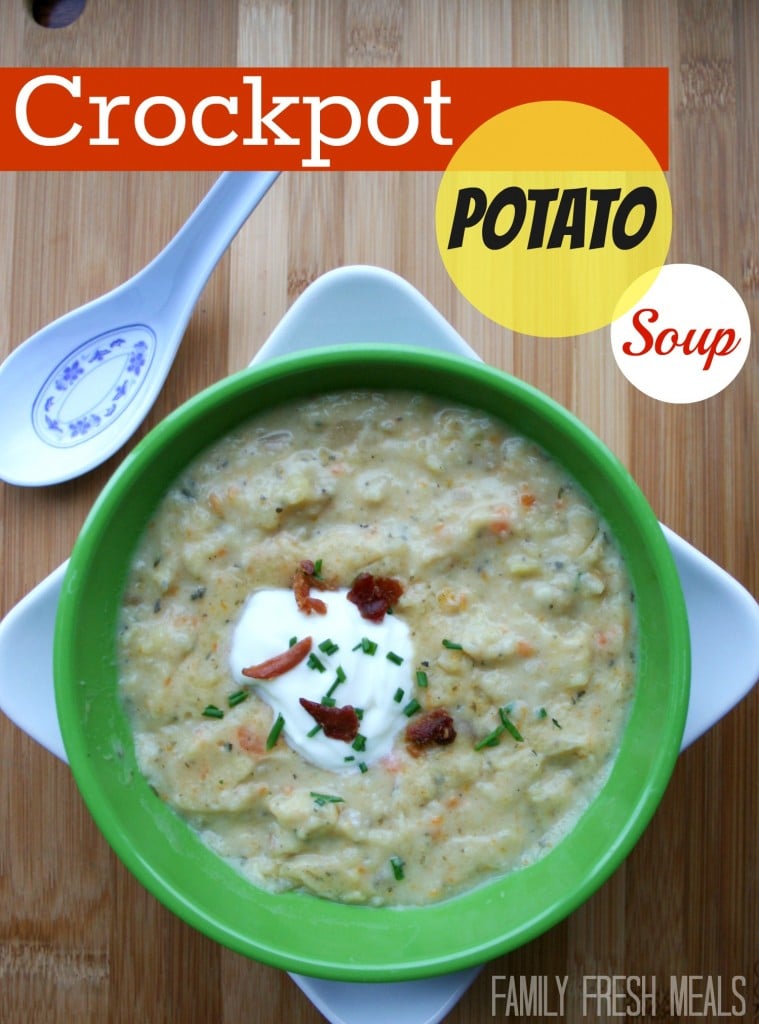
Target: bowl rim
487	923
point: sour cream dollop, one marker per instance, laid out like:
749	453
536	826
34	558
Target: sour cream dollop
368	665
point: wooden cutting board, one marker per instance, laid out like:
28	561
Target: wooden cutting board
80	940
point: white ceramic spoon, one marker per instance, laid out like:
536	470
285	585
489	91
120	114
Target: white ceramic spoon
73	393
349	306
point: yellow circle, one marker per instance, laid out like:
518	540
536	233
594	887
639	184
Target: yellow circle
550	212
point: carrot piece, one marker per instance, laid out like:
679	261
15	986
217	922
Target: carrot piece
500	524
250	741
280	663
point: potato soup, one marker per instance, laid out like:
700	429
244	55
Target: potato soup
378	647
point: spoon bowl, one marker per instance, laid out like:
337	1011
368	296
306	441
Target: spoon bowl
75	392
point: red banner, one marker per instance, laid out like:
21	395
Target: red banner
291	118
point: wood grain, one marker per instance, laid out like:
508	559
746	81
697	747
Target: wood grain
79	939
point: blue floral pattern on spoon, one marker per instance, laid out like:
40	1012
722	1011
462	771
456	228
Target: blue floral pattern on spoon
93	385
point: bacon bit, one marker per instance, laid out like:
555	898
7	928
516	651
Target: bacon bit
526	499
337	723
303	599
434	726
525	649
309	568
280	663
374	595
304	579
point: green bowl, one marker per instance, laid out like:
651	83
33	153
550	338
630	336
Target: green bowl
299	932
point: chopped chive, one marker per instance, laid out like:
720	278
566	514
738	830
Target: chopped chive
359	743
312	732
211	711
314	662
398	695
542	713
397	864
359	713
340	678
421	679
350	757
509	725
293	641
363	767
556	723
328	646
320	799
412	707
395	658
452	646
276	729
366	645
327	701
491	740
506	725
317	568
237	698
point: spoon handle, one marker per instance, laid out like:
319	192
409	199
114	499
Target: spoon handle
187	261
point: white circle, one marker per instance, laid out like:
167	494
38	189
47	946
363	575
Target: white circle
686	339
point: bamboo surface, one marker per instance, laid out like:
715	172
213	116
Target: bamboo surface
80	940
